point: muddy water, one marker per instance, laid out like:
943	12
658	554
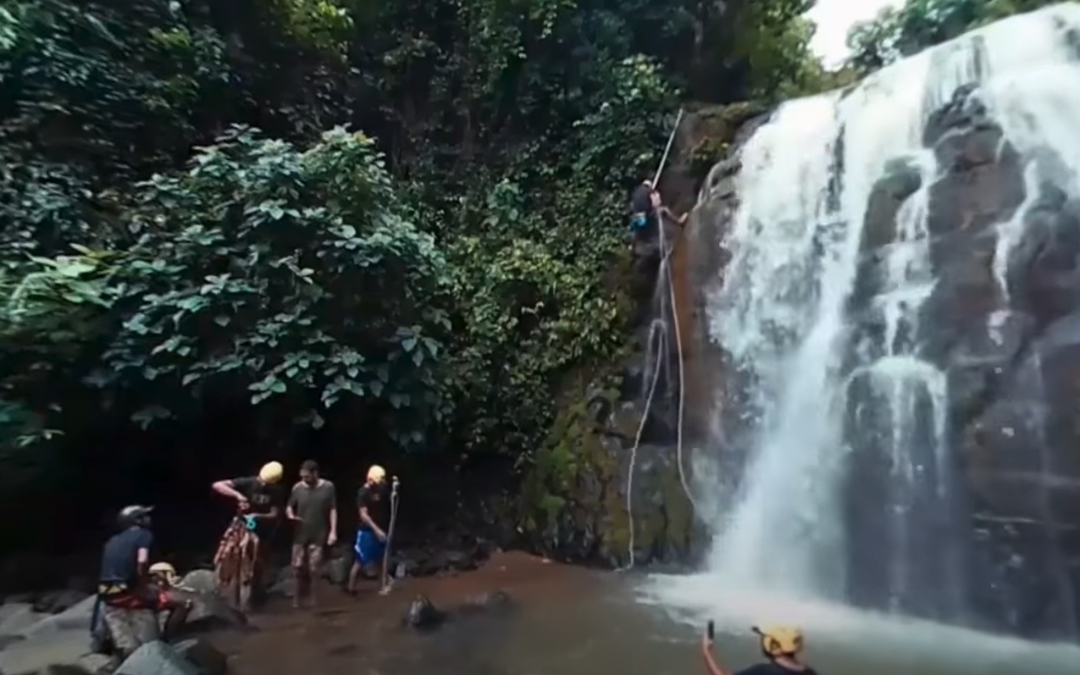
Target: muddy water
576	622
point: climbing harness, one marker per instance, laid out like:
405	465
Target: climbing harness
659	330
394	485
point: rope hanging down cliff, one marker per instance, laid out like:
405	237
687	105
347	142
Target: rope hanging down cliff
659	331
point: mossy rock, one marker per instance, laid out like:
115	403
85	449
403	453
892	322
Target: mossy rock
573	501
712	132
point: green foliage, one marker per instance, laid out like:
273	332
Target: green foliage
287	273
179	231
919	24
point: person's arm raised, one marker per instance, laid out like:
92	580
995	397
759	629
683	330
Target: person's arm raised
710	662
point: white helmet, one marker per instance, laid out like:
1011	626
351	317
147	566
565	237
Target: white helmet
131	515
165	571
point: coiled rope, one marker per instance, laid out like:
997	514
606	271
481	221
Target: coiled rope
660	329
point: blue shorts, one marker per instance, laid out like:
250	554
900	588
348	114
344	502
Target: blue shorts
368	548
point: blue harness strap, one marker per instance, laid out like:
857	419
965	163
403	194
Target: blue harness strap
639	221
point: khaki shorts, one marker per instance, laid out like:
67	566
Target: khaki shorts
130	628
307	556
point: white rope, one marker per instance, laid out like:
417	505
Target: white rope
682	376
660	355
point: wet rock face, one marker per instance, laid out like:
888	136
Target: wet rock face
1012	360
581	487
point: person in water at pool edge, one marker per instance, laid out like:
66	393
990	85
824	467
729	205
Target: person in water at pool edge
780	645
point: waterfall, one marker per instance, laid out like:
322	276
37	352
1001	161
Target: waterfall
850	492
782	315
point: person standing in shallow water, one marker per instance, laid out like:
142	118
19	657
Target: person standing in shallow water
238	557
373	506
313	509
780	646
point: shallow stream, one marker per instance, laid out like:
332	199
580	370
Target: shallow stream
576	622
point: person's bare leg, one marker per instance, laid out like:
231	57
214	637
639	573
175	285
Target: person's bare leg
298	586
178	613
314	561
354	577
296	571
231	593
245	596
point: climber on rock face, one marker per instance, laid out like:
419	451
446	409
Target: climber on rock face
647	208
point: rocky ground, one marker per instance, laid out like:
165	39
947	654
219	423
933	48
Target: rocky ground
51	634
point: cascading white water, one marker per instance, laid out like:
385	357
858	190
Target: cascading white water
804	186
782	313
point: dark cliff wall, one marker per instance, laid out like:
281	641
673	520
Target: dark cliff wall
1011	365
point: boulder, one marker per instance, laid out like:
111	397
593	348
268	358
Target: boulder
74	618
157	658
423	615
17	617
337	569
209	611
199	581
55	602
201	652
50	651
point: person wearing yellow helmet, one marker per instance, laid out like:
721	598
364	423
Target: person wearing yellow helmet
258	506
780	645
374	511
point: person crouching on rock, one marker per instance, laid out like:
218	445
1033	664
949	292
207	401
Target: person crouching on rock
374	510
172	607
127	604
313	509
238	557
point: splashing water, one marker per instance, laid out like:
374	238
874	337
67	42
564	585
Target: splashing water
797	247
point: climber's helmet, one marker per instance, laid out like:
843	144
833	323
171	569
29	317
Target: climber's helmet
135	514
780	641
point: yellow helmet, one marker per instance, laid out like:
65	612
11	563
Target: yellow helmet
376	474
164	570
779	641
271	472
